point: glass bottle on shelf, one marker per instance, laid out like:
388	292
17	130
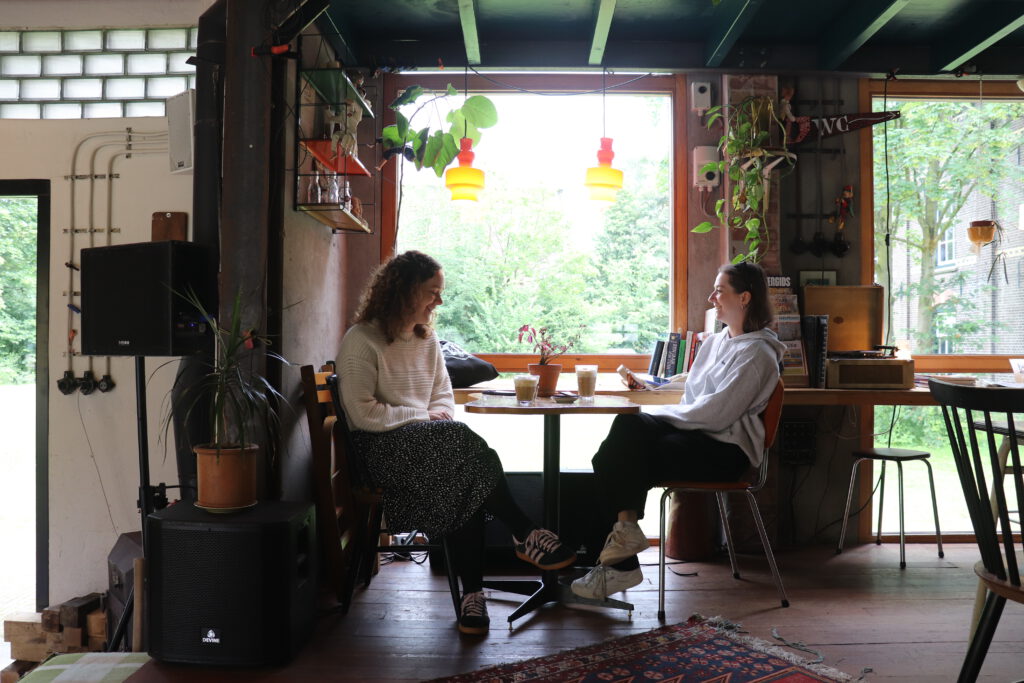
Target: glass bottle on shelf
333	189
314	192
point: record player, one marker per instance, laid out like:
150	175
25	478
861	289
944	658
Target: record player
875	369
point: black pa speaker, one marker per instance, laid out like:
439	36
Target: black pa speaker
132	303
234	590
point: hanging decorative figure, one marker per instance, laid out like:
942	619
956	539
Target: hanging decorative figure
844	207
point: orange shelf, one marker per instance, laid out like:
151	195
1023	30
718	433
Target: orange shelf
326	153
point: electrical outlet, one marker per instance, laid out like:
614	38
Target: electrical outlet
700	96
702	156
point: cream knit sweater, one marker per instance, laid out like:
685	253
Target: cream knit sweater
385	386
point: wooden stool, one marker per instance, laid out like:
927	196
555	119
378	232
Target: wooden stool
899	456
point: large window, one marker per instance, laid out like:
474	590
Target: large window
952	157
535	249
947	161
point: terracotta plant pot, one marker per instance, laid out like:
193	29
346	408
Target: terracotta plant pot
548	374
981	232
226	479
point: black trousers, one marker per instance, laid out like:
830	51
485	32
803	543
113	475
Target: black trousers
642	449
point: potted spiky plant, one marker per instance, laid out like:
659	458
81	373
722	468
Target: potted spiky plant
240	408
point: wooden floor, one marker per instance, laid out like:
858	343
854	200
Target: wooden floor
858	609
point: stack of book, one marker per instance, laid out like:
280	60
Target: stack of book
795	369
675	355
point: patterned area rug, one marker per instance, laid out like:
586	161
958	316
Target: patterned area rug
701	650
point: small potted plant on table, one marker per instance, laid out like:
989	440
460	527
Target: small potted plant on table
549	350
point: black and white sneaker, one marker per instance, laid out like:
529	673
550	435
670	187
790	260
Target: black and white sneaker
473	618
543	550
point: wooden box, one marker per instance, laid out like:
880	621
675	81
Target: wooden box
855	314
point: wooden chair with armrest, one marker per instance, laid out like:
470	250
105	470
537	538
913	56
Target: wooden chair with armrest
749	486
349	511
974	418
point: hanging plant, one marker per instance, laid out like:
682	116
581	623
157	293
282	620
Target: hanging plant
435	148
748	157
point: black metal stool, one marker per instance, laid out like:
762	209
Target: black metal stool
899	456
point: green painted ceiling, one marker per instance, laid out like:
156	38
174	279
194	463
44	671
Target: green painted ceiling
917	37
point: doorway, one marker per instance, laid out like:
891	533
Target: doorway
24	363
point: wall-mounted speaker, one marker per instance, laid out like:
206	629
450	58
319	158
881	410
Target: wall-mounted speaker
132	303
181	121
233	590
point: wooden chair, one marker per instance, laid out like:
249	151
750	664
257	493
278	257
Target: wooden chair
349	511
770	418
974	417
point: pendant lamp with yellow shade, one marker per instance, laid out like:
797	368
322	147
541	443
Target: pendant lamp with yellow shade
464	181
602	180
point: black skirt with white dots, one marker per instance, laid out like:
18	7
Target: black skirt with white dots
435	475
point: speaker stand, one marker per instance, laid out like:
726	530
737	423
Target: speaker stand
150	498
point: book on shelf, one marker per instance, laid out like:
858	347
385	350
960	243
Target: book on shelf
698	339
671	354
656	354
814	330
794	364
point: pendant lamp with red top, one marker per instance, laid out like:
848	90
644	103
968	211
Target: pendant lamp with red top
602	180
464	181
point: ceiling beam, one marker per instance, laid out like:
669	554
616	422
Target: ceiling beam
730	19
979	32
602	25
854	27
467	16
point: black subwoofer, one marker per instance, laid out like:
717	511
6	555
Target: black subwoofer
236	590
132	302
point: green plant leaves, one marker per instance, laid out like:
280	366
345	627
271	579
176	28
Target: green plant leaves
408	96
437	148
480	111
706	226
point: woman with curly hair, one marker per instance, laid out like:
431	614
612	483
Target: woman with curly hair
438	476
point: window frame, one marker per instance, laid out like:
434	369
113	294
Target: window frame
674	86
966	89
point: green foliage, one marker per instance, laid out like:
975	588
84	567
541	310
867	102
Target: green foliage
17	289
436	148
940	155
240	404
748	158
522	262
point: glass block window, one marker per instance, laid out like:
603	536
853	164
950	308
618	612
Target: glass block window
83	88
10	41
40	41
94	73
62	65
83	41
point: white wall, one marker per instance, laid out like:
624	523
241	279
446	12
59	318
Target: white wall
93	462
81	14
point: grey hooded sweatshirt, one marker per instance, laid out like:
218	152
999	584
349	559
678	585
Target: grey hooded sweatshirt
729	384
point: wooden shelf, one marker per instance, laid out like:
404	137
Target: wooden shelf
337	218
335	87
326	153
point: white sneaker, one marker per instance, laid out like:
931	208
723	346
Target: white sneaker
625	540
602	581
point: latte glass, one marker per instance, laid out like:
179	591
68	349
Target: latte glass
526	388
586	380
